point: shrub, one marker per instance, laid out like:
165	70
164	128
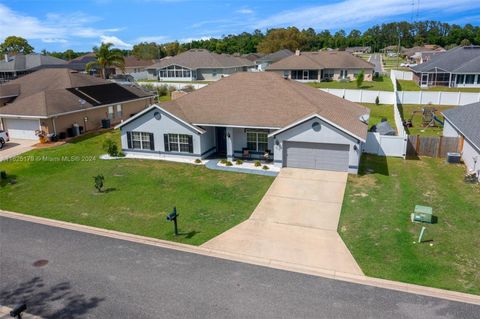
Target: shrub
121	154
239	162
223	161
99	179
110	147
228	163
188	88
359	78
198	161
3	175
162	90
265	167
258	164
377	100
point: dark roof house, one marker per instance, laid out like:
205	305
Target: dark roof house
20	64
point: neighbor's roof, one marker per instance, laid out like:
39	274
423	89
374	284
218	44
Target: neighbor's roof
321	60
202	59
424	48
133	62
466	119
275	56
265	99
23	62
48	92
459	59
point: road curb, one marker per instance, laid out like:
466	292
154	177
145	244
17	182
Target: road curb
277	264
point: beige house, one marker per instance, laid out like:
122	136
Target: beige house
55	100
134	65
322	66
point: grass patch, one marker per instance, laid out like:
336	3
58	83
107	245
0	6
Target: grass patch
375	222
377	112
406	111
59	184
378	84
407	85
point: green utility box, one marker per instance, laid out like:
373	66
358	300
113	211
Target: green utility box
422	214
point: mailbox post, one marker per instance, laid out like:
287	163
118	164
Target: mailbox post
173	217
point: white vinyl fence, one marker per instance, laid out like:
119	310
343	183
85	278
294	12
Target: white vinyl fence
363	96
437	97
402	75
176	85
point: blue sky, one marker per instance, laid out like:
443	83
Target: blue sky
81	24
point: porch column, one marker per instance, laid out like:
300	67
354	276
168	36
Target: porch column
229	132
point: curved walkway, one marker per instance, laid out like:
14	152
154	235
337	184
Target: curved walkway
212	164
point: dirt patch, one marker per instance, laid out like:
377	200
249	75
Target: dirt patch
361	194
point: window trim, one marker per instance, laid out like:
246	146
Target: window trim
143	137
257	141
178	143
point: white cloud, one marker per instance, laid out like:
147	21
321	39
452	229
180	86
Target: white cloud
54	40
245	11
205	37
115	41
354	13
153	38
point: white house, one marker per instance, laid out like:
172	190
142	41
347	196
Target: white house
260	115
464	122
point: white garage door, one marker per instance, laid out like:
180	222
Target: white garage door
330	157
22	129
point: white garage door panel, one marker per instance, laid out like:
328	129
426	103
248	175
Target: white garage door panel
22	129
332	157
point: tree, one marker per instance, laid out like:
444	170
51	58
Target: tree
172	48
106	58
99	179
148	51
465	42
359	78
277	39
13	45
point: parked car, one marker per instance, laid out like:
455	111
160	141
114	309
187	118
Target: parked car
4	138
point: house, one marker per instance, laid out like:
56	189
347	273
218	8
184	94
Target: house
80	64
263	62
12	67
253	115
358	50
53	100
198	65
322	66
134	65
464	122
457	67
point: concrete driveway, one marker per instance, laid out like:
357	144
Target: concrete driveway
295	223
16	147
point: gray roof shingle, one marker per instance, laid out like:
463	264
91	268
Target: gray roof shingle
466	118
459	59
23	62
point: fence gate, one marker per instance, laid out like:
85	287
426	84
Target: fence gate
432	146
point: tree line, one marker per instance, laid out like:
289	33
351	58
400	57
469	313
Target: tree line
377	37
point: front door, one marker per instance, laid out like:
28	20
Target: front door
221	133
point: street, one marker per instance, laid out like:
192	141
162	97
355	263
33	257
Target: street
377	60
67	274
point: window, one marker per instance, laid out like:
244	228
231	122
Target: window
110	114
470	79
119	110
140	140
257	141
179	143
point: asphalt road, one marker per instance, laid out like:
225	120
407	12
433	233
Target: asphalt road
89	276
376	59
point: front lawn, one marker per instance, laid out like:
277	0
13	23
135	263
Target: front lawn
375	222
58	183
407	85
407	112
378	84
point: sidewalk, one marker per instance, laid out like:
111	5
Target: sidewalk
359	279
5	313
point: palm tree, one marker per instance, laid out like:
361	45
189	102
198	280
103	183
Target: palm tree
106	58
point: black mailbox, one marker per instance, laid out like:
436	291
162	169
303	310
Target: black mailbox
173	217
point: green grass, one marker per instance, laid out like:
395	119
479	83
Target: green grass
407	85
377	112
406	111
166	98
375	223
140	192
378	84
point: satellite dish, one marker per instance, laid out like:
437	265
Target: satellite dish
364	118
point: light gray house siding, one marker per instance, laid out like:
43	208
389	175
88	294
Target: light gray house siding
327	134
165	125
449	130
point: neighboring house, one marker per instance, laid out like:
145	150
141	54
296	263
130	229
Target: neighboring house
259	113
464	122
458	67
198	65
263	62
358	50
134	65
423	57
53	100
322	66
252	56
80	64
422	54
12	67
